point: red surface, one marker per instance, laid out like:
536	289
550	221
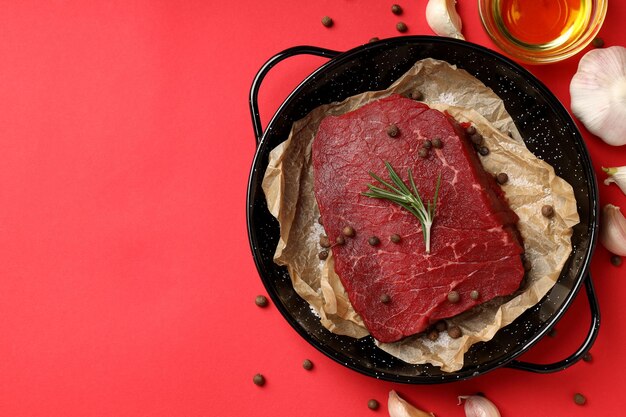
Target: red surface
127	281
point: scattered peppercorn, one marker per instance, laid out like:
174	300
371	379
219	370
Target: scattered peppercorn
327	21
433	335
470	130
307	364
476	138
474	295
423	153
348	231
616	260
261	301
374	39
323	255
427	144
393	131
552	332
502	178
455	332
483	150
385	298
395	238
437	143
401	27
340	240
319	220
454	297
396	9
579	399
441	326
598	42
259	380
373	404
587	357
373	241
547	211
324	242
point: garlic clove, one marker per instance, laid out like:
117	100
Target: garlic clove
613	230
478	406
598	93
443	18
616	175
397	407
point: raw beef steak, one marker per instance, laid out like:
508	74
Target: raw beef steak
397	288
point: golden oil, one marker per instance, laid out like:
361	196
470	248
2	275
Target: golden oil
542	24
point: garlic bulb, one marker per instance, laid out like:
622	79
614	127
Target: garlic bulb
598	92
443	18
616	175
397	407
478	406
613	230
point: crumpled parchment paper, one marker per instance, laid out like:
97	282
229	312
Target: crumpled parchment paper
288	187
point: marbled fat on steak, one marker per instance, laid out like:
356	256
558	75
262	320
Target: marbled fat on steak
474	240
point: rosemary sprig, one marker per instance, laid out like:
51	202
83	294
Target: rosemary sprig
408	198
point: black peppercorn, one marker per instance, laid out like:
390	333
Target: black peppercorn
373	404
502	178
454	297
437	143
374	39
579	399
470	130
393	131
483	150
261	301
323	255
597	42
373	241
423	153
259	380
616	260
587	357
547	211
474	295
455	332
396	9
433	335
477	138
395	238
348	231
385	298
340	240
327	21
427	144
401	27
307	364
324	242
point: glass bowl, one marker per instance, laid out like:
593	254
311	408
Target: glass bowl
530	32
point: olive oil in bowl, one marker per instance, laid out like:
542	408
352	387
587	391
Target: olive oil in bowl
538	31
542	24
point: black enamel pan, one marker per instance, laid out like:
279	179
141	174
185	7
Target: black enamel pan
548	131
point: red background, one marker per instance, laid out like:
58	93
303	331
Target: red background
127	284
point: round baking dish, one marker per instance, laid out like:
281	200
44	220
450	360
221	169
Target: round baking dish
548	131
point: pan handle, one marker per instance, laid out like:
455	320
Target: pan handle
260	75
582	350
